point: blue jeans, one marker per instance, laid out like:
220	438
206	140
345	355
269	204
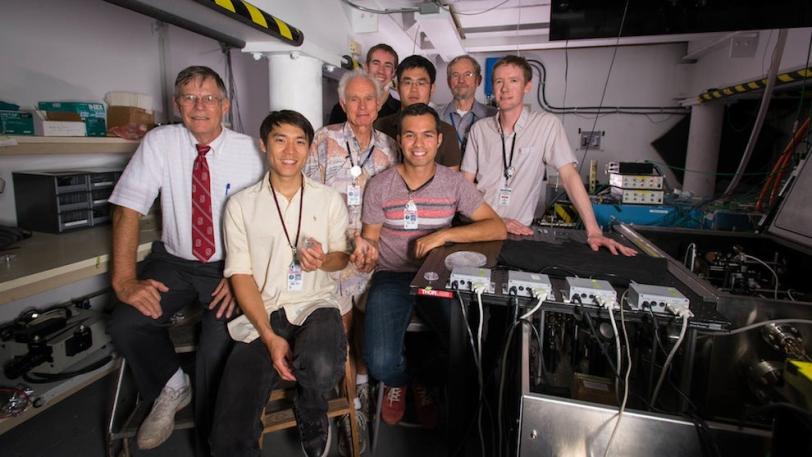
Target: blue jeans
388	312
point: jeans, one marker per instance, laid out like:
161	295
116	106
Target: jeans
319	347
145	344
388	312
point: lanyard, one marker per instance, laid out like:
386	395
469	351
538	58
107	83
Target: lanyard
282	219
419	188
369	154
508	165
464	138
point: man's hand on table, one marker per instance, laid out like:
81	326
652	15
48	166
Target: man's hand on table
596	240
223	300
515	227
143	295
425	244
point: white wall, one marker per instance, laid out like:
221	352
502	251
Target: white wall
81	49
641	76
716	68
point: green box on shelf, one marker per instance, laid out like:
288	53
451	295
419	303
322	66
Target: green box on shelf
16	123
92	114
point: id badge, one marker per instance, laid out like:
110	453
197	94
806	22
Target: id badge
504	196
295	280
410	216
353	194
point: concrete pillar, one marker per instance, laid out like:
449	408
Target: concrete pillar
295	83
704	136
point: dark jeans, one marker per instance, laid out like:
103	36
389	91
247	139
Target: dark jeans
388	312
319	349
145	344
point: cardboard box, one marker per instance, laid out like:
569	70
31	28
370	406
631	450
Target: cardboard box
92	114
16	123
121	116
45	127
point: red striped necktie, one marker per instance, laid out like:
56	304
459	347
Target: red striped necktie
202	224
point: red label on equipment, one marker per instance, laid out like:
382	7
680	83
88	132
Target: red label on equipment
435	293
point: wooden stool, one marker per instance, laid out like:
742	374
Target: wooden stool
278	413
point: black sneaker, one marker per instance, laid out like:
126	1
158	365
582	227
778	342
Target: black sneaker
315	434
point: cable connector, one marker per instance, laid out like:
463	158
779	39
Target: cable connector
610	305
681	311
479	289
539	292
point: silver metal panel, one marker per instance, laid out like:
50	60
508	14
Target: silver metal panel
793	221
555	427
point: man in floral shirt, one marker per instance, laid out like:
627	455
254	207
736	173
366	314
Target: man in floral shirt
344	156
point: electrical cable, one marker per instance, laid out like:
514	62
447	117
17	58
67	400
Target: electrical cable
508	341
803	86
775	275
594	334
618	358
479	291
626	379
44	378
670	358
778	51
478	364
502	383
386	11
707	440
747	328
462	13
535	308
541	98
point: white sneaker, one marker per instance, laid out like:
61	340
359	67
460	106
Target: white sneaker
157	427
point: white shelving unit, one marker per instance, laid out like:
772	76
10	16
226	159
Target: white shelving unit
26	145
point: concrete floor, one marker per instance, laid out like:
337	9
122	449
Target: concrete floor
77	427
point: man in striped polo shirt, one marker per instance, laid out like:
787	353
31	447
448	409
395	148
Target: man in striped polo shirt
407	212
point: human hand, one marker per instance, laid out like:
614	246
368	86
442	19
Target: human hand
425	244
515	227
311	255
281	357
365	255
596	240
143	295
223	299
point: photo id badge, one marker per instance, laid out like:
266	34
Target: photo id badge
410	216
295	280
504	196
353	194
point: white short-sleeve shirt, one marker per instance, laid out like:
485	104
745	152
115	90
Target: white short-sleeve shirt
163	164
540	141
257	246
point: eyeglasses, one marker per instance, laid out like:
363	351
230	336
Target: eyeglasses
191	100
415	82
466	75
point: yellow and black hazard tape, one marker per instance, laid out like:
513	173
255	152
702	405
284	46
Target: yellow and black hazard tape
251	15
782	78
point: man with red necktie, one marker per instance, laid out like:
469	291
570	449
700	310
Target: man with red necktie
194	167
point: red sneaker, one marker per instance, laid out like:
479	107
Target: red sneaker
394	404
425	407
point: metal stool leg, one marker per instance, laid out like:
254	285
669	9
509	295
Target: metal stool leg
111	425
376	423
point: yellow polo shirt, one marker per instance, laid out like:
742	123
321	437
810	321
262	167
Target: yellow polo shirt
256	245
